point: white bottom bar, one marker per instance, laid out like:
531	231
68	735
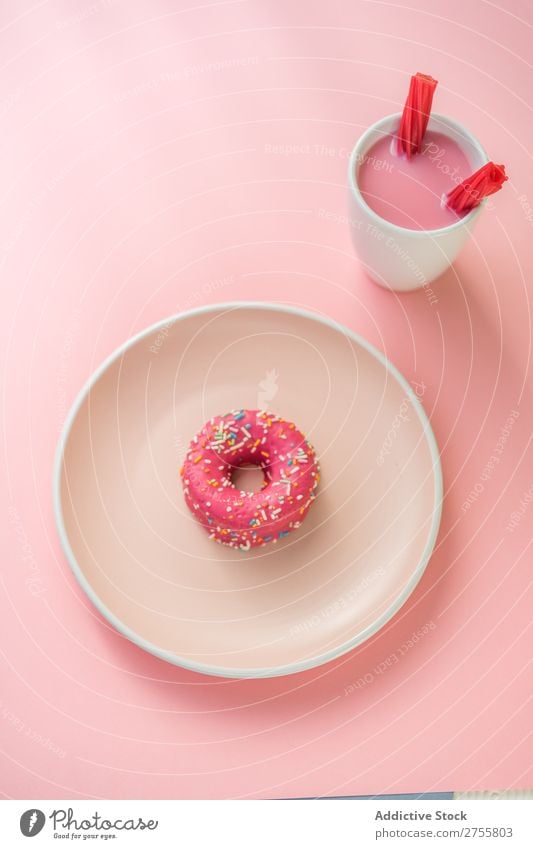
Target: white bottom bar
314	824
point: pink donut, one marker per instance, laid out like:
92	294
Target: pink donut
247	519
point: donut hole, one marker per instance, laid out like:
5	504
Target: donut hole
248	477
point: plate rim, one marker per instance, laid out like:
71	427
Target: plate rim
259	672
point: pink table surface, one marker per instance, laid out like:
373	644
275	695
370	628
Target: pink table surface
158	156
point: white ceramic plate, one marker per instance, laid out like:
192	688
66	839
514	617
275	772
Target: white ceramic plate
150	568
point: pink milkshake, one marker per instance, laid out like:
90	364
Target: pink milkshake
416	183
410	192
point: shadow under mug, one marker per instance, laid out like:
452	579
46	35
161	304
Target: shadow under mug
396	257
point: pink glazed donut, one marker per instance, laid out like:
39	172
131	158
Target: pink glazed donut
242	519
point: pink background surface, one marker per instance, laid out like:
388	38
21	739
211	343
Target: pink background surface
145	170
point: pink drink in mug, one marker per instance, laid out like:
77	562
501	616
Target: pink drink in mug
416	185
410	193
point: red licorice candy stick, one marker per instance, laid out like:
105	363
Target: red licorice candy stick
415	114
484	182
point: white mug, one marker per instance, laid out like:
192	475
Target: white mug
396	257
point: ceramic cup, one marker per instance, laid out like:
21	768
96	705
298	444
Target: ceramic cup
393	256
